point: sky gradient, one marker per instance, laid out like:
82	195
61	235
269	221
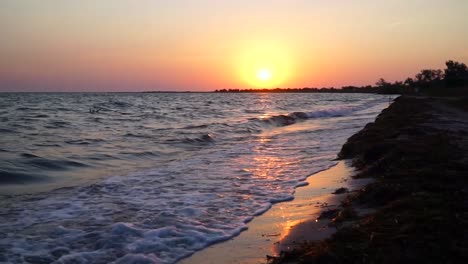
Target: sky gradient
116	45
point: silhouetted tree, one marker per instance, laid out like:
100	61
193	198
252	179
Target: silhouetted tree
382	83
409	82
410	86
389	88
456	74
427	76
428	79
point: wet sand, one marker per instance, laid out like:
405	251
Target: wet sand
286	224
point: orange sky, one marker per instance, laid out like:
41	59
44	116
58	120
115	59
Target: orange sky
207	44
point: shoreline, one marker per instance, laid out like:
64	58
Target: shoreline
286	224
416	152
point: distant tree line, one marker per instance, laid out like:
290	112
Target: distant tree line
347	89
452	80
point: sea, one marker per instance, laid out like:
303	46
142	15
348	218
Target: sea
154	177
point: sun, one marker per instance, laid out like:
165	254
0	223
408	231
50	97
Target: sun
264	74
264	65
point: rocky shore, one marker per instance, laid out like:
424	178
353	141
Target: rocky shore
416	209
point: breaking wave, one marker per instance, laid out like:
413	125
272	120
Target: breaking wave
294	117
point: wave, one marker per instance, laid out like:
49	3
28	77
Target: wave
57	124
108	106
141	154
203	139
137	135
295	117
50	164
282	120
10	177
6	130
196	126
86	141
41	116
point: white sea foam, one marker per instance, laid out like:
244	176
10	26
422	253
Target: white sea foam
337	111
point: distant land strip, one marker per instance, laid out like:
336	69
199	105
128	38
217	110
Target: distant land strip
347	89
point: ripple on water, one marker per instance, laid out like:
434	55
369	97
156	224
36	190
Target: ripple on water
7	131
16	177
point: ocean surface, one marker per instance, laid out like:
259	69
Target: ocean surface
152	178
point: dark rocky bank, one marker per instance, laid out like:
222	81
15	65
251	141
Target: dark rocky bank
416	209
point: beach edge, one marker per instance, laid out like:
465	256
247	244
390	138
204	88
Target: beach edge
417	153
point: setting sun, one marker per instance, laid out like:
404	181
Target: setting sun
265	65
264	74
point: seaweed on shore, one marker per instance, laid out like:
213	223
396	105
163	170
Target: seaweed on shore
420	193
341	190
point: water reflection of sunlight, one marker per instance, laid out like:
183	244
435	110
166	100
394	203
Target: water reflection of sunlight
264	116
296	220
272	160
286	224
268	167
264	140
264	101
267	163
